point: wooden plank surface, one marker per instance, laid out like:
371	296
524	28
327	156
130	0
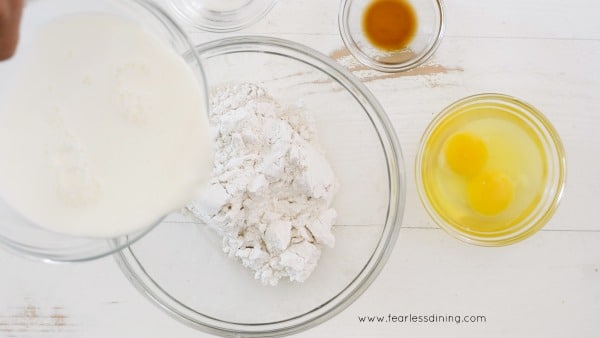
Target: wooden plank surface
545	53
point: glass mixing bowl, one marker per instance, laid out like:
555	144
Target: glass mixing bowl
16	232
488	230
180	266
430	29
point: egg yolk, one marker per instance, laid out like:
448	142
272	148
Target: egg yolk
465	154
490	193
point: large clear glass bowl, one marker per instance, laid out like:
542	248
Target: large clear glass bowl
180	267
16	232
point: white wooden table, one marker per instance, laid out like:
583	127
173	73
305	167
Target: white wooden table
544	52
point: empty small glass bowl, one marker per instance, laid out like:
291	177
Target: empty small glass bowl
220	15
428	35
180	265
17	233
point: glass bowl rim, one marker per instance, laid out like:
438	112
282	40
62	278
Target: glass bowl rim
245	21
137	275
102	247
557	154
344	29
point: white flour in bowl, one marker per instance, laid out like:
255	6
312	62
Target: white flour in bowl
272	188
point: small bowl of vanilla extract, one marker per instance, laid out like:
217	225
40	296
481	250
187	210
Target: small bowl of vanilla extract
391	35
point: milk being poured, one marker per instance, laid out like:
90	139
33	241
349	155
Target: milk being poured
105	130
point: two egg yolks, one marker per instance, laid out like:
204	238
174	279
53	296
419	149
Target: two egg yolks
489	192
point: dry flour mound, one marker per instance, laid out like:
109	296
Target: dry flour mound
272	188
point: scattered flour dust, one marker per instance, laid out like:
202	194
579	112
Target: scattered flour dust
272	188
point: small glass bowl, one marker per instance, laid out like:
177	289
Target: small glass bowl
180	265
430	29
17	233
221	15
554	170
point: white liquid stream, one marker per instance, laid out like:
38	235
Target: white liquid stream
106	130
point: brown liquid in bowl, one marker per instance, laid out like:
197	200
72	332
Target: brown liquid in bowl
389	24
